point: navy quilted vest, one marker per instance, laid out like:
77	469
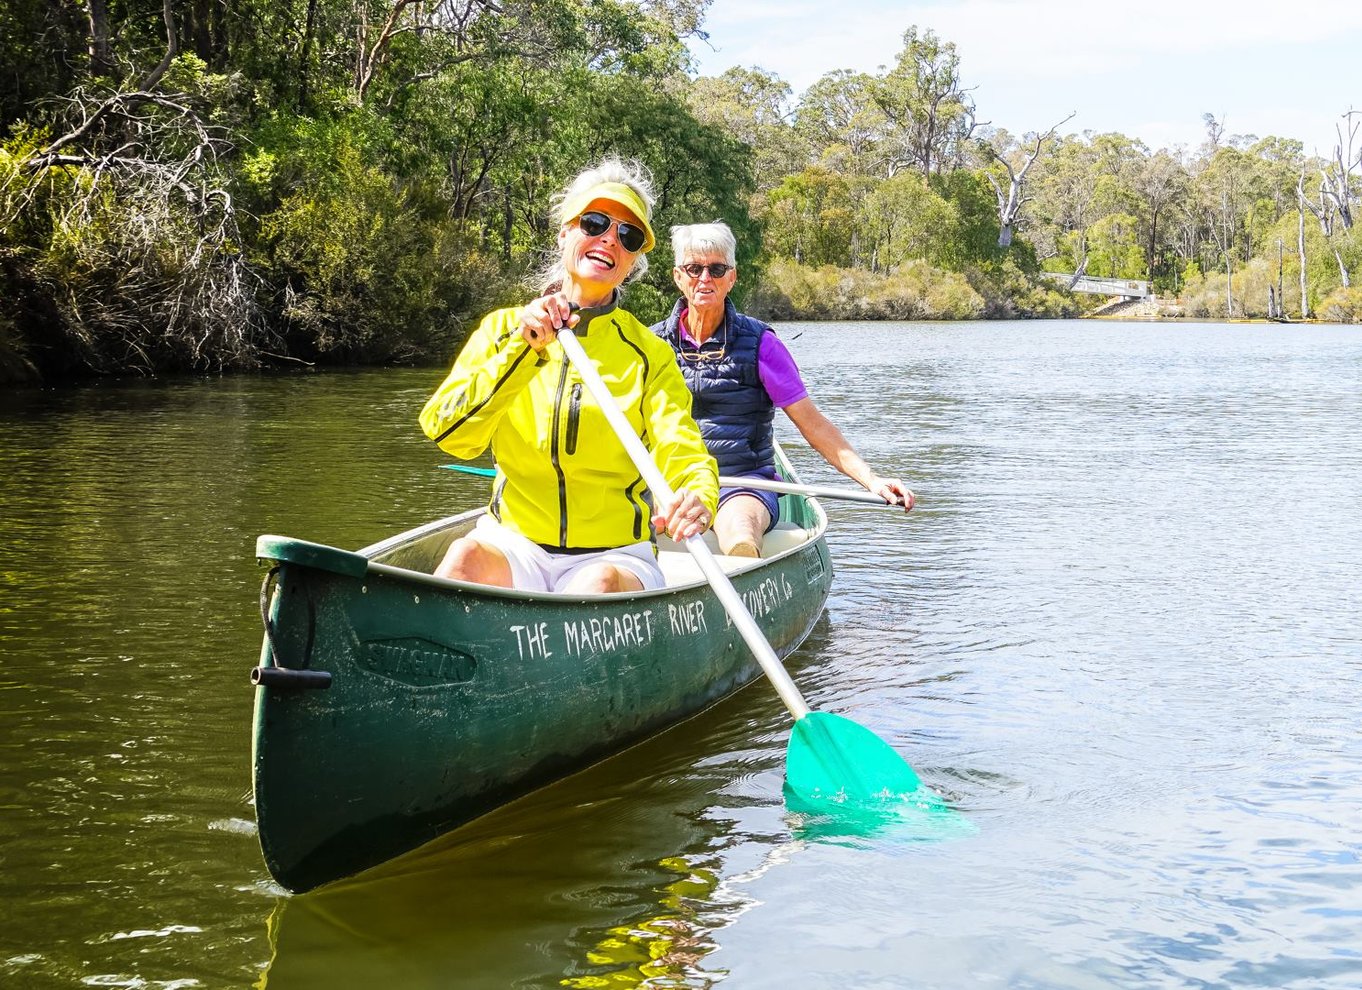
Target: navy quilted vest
730	403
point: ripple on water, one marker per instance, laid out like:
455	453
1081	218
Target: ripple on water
1120	633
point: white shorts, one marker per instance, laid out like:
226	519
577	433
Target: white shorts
535	569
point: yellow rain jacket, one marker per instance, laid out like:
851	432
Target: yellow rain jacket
563	478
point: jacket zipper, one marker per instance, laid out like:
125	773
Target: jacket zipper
574	417
553	456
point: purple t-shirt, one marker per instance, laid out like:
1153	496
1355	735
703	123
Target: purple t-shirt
776	367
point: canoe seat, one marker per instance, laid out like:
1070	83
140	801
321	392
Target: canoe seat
680	568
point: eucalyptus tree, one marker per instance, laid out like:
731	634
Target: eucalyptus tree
1336	193
1279	163
810	217
902	219
841	122
1159	182
753	106
929	114
1224	198
1066	200
1114	249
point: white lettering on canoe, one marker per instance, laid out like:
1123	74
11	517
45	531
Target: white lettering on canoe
601	634
766	597
688	619
533	640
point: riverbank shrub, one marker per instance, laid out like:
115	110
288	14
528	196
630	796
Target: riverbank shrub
1342	305
126	264
363	268
788	290
1012	289
1245	293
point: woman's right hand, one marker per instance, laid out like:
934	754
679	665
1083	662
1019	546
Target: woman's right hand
541	319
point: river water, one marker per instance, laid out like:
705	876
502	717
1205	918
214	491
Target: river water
1122	634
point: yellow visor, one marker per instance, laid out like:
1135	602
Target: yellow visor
614	192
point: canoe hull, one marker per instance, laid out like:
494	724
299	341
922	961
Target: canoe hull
448	700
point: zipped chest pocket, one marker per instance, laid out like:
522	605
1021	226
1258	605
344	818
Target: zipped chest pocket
574	417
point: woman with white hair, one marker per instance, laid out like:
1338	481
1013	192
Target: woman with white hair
569	511
738	372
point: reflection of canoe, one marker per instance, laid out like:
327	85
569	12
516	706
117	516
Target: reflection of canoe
559	870
445	699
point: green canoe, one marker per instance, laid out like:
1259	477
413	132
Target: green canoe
392	706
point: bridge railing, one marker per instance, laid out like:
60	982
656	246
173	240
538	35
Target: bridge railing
1129	288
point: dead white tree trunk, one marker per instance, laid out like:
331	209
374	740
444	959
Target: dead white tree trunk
172	48
1011	202
1326	213
1336	181
1081	268
1300	249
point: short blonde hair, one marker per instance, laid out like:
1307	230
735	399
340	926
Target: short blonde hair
705	238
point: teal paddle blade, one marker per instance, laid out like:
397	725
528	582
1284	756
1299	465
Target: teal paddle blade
845	782
470	469
832	760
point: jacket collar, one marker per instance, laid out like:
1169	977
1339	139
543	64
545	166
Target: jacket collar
587	315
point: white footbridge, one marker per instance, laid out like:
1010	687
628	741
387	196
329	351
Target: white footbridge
1124	287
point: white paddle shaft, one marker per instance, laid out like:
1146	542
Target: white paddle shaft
816	491
704	557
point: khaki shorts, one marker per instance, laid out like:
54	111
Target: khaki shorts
535	569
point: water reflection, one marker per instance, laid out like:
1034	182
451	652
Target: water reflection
606	879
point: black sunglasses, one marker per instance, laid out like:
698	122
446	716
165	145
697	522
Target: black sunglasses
716	269
632	236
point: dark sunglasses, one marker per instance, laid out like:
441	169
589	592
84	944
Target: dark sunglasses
716	269
632	236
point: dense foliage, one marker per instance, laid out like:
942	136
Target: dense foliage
200	186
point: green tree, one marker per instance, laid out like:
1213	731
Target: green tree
842	124
904	219
930	115
1114	247
810	218
751	105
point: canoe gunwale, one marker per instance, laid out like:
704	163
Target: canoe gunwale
468	587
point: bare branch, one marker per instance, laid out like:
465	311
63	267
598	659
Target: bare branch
172	47
1011	202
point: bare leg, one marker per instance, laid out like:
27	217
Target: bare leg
469	560
740	524
603	579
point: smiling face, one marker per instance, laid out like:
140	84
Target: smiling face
704	291
597	265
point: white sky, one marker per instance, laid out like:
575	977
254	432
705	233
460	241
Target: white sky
1148	70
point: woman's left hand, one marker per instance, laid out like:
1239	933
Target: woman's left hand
686	517
893	491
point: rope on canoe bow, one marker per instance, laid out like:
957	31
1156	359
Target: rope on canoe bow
266	594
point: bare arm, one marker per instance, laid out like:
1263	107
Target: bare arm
824	437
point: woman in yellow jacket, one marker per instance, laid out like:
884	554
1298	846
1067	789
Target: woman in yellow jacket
569	511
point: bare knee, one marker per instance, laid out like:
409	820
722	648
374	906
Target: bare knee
740	525
605	579
469	560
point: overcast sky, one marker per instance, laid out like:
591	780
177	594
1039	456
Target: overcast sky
1148	70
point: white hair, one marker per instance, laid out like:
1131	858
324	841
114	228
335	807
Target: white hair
611	168
705	238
